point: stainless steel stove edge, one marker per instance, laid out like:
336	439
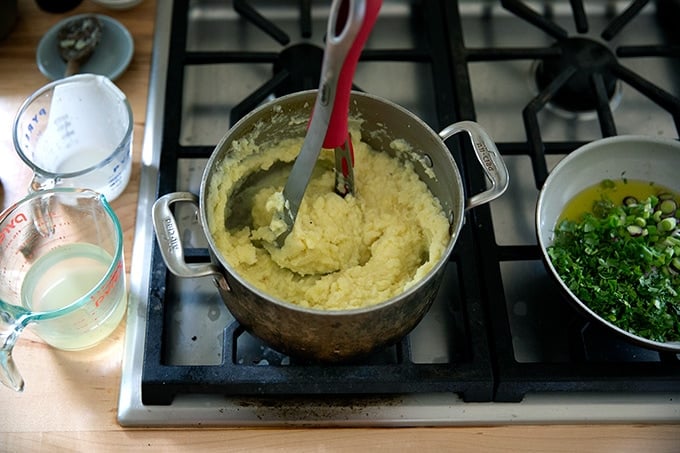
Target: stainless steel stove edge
130	404
406	411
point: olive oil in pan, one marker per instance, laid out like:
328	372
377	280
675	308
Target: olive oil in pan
613	189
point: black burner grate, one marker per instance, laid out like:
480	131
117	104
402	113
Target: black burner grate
392	371
597	361
483	365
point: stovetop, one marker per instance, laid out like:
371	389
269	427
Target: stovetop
500	343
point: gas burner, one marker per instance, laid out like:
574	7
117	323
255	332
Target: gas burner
302	64
581	59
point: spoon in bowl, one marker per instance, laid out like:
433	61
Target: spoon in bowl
77	40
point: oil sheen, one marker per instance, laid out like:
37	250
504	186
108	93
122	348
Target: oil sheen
62	277
615	190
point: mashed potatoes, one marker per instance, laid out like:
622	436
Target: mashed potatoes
342	253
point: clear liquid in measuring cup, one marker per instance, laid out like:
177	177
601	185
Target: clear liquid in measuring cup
109	179
77	132
79	160
63	276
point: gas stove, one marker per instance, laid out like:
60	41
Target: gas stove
500	343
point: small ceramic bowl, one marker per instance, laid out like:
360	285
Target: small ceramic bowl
111	57
634	157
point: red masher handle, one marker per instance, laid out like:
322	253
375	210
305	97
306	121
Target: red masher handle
337	132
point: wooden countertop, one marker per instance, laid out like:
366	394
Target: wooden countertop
70	400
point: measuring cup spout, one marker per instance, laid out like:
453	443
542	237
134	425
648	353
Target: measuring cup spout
10	328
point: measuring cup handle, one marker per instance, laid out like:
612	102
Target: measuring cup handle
487	155
10	328
170	242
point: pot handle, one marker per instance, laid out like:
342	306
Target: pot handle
487	155
170	242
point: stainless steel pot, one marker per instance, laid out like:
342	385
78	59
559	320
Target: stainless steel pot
335	335
634	157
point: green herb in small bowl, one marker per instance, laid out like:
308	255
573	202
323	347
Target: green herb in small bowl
617	266
622	260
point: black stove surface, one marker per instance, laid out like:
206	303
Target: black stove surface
499	328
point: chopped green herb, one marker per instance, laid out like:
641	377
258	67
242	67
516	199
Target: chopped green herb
623	261
607	184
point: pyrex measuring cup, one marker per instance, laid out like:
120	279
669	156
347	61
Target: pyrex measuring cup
62	270
77	132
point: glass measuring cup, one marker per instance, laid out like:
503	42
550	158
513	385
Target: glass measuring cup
77	132
62	270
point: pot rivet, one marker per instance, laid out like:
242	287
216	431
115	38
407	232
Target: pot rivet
221	283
